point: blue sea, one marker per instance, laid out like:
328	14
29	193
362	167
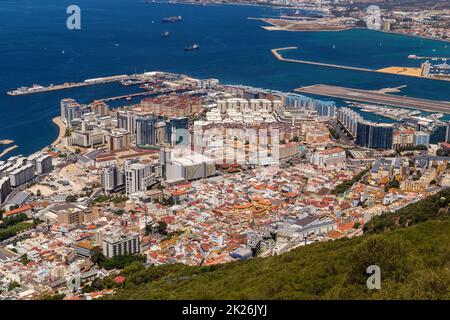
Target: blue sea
123	36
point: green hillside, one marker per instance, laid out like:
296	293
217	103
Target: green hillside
414	262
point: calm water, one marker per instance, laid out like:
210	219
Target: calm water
33	36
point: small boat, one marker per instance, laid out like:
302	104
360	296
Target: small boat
165	34
172	19
195	46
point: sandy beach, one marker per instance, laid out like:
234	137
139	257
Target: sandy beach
7	150
62	130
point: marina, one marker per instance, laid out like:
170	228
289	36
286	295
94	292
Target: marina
396	114
376	97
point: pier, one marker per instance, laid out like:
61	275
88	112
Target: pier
377	98
68	85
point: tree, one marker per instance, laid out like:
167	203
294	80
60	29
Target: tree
71	198
162	227
13	285
97	256
119	212
38	193
392	184
24	259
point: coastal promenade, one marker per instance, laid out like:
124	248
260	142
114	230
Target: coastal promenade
376	97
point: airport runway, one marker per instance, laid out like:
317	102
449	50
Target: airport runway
377	98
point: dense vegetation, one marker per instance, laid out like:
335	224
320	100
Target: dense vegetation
435	207
14	230
116	262
10	221
414	262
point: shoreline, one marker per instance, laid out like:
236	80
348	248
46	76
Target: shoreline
344	28
62	130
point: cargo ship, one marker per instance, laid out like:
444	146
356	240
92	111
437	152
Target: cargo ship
172	19
195	46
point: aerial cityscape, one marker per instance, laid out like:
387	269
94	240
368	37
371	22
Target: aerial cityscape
216	150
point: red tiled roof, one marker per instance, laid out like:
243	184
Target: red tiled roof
18	210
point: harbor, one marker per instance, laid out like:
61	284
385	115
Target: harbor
376	97
125	80
396	114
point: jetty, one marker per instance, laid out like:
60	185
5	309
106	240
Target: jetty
401	71
277	54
